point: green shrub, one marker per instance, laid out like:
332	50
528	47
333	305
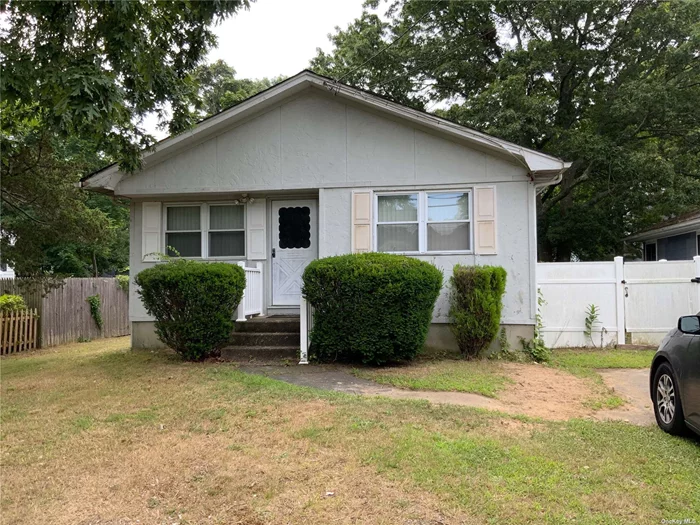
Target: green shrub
123	282
193	304
476	301
11	303
370	308
96	309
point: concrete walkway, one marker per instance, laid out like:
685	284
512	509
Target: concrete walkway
627	383
632	385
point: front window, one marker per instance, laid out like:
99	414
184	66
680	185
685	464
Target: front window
424	222
448	222
397	223
226	231
183	234
205	230
650	251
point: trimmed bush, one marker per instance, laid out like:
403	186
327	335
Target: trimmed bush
11	303
193	304
476	301
370	308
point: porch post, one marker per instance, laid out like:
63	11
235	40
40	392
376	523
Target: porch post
620	299
261	296
241	305
696	260
304	335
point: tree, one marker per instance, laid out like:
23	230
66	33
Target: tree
612	86
219	89
77	80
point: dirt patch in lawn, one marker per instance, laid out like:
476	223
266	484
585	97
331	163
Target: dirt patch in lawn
545	392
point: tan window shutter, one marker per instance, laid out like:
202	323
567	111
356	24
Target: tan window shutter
361	221
255	234
485	220
150	231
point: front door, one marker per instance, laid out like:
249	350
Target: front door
294	245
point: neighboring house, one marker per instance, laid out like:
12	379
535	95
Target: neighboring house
676	239
6	272
312	168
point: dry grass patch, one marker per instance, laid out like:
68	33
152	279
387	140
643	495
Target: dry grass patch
95	433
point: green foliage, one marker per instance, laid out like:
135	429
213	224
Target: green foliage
193	303
476	301
12	303
370	308
535	348
123	282
610	85
94	69
219	89
592	314
77	80
96	309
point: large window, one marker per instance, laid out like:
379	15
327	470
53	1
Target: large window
205	230
424	222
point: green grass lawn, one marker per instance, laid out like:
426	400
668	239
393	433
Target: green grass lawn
576	361
95	433
479	377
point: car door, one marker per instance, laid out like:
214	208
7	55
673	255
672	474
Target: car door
690	386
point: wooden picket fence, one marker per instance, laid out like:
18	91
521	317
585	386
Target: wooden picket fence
64	313
18	331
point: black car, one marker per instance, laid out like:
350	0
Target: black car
675	378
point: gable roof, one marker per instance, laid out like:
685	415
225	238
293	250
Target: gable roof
687	222
546	168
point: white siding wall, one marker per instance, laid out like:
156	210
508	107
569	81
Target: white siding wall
315	143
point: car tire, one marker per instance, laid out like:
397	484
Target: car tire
667	401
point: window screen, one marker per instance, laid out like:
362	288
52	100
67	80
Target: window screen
183	235
294	227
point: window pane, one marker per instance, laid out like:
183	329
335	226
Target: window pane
226	217
397	208
183	218
650	252
294	227
447	237
397	237
448	206
186	244
226	244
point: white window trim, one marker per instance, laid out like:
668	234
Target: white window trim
423	221
204	228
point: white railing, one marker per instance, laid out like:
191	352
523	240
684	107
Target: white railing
252	300
306	323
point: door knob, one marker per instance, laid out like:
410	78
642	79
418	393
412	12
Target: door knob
273	253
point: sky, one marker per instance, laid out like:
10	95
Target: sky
276	37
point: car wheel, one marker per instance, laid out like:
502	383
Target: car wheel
667	403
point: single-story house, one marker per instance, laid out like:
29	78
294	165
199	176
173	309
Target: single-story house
313	168
675	239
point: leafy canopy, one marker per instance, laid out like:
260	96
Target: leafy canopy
611	85
77	80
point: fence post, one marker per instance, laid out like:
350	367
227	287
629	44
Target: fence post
304	329
241	305
620	299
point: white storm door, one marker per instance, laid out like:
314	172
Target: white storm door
294	245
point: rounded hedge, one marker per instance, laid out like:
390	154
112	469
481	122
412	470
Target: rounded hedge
193	304
370	308
476	301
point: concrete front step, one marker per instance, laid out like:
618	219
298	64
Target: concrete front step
239	353
269	324
255	339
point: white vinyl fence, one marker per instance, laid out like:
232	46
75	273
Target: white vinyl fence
637	302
